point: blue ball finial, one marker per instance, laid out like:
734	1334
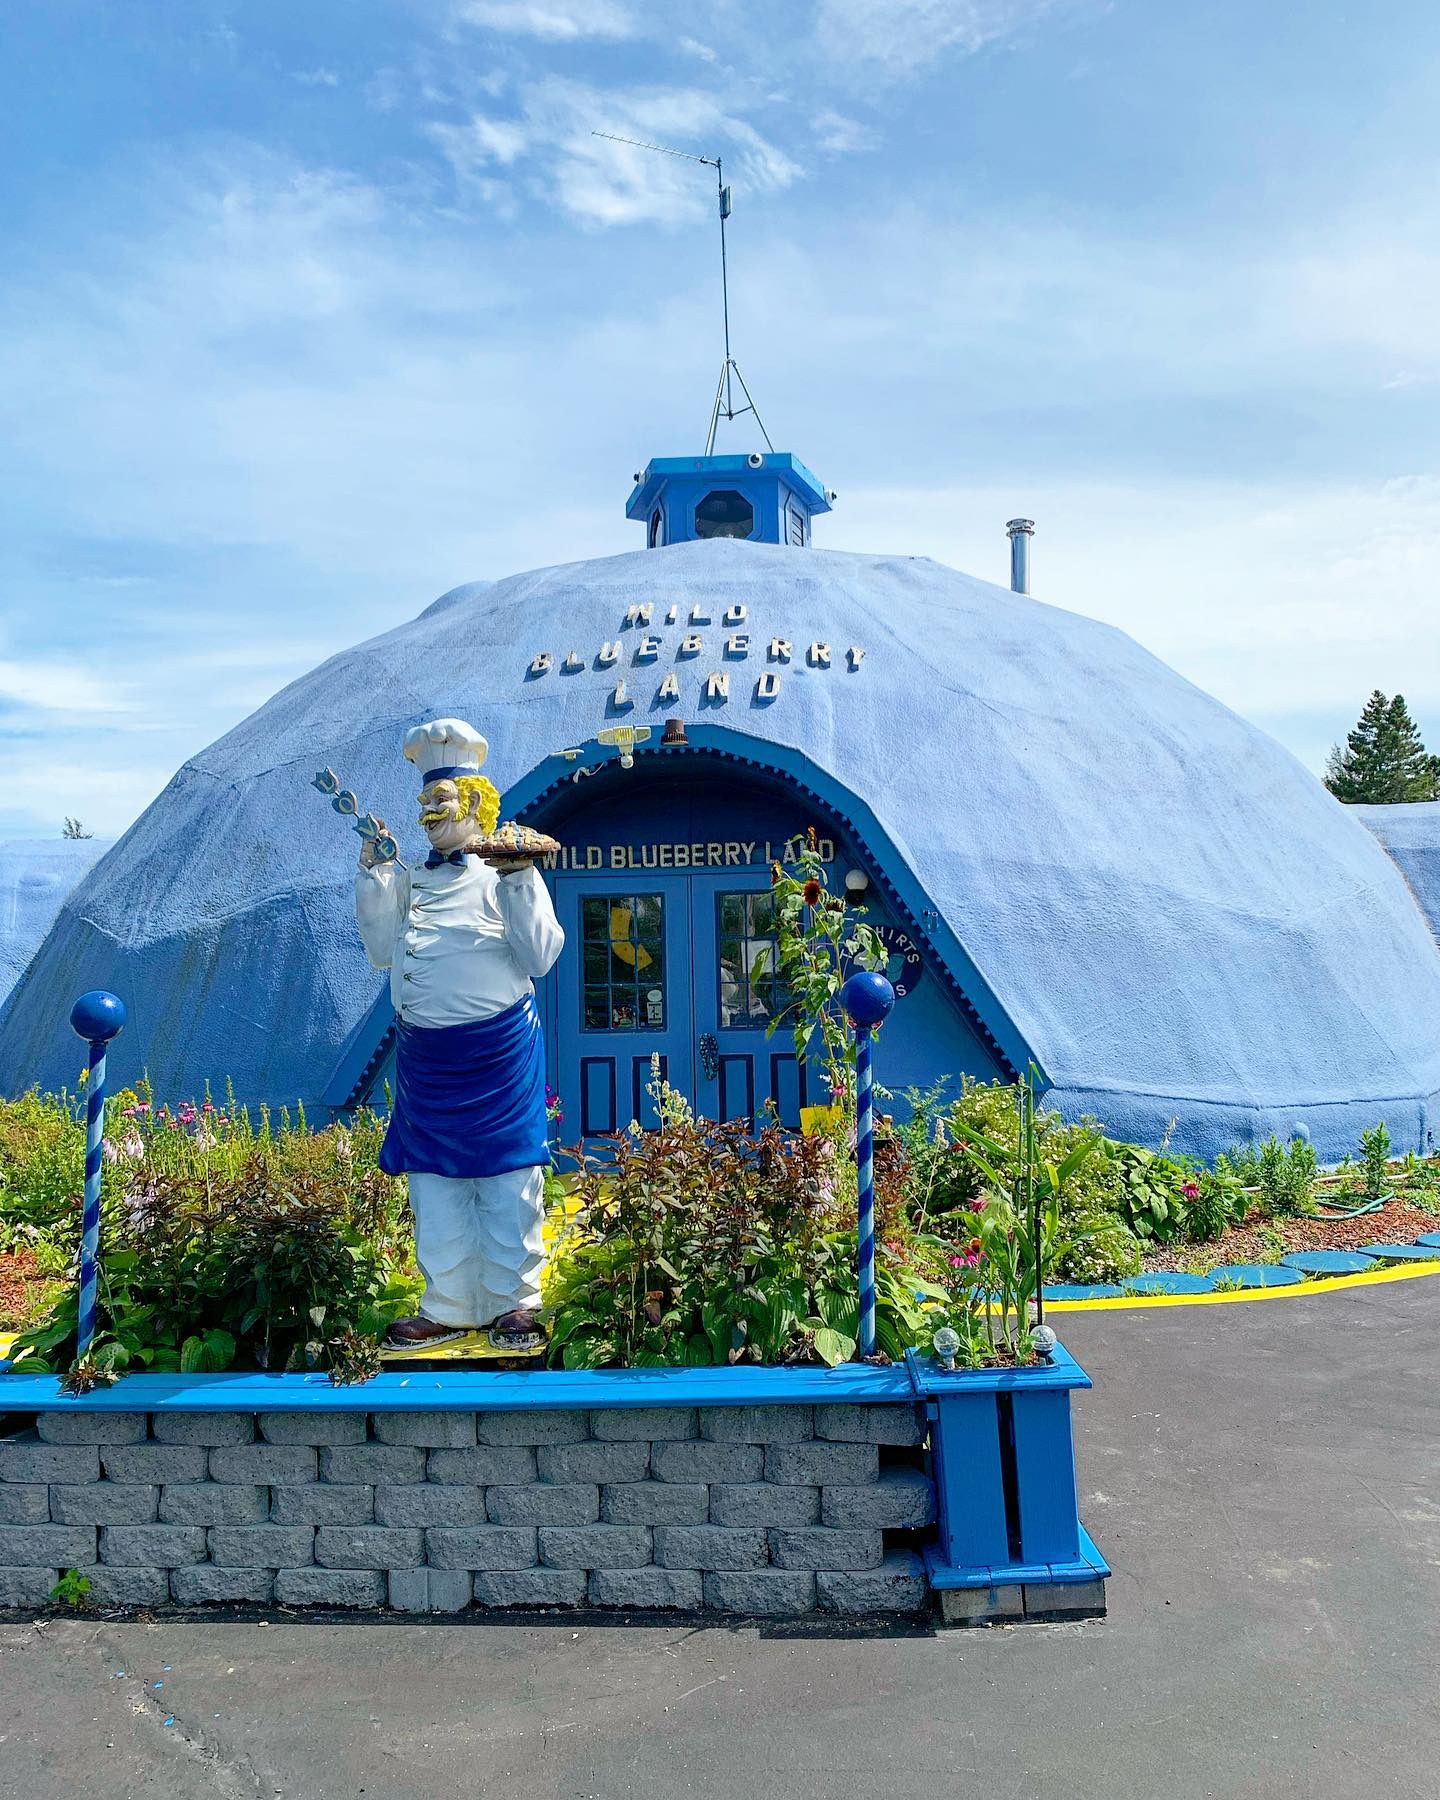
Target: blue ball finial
98	1016
867	998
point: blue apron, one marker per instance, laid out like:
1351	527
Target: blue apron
469	1099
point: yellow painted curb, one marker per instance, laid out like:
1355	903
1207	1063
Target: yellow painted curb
1294	1291
7	1338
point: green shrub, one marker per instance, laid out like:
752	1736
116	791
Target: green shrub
1375	1161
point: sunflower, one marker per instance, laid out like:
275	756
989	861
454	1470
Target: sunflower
811	892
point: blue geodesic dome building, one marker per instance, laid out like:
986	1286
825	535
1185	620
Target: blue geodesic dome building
1077	858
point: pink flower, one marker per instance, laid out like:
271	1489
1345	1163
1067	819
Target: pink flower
977	1206
1190	1189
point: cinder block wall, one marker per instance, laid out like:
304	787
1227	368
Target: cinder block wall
749	1509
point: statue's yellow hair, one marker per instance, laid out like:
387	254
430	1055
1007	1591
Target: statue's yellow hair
486	805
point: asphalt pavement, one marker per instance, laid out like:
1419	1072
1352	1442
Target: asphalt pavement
1264	1478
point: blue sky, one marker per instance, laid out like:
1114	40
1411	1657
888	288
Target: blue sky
308	313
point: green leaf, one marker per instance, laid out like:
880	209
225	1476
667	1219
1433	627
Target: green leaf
833	1347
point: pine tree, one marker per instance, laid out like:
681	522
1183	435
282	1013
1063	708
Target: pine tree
1384	761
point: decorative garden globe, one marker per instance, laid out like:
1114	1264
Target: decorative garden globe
98	1016
867	998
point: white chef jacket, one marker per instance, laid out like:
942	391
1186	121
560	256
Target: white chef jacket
461	942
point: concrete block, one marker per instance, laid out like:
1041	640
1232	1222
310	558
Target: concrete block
104	1503
767	1593
365	1465
822	1464
25	1457
202	1430
264	1465
644	1423
749	1503
24	1503
898	1585
27	1587
901	1500
902	1425
498	1465
369	1547
820	1548
152	1546
594	1546
214	1503
92	1427
46	1546
317	1503
704	1461
428	1430
982	1606
647	1588
655	1503
1065	1600
205	1585
262	1546
429	1503
709	1547
757	1424
167	1464
128	1587
429	1590
481	1547
331	1587
575	1503
532	1427
530	1587
598	1462
313	1428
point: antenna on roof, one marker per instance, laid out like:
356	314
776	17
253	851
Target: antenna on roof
730	369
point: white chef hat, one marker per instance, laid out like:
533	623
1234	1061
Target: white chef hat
444	749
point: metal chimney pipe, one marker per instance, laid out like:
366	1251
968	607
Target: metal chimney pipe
1020	532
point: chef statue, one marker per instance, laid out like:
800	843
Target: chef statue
462	935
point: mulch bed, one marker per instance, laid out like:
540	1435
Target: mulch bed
22	1288
1397	1222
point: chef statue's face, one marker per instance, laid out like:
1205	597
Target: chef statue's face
448	820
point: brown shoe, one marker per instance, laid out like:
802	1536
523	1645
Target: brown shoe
407	1334
523	1321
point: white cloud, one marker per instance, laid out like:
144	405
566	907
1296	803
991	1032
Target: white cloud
842	136
901	36
549	147
57	691
557	21
316	78
1288	602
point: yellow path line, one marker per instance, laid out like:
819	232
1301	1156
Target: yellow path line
1293	1291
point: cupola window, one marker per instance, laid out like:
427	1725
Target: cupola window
724	514
657	529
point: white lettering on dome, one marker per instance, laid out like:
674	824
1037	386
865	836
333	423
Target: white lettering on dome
651	646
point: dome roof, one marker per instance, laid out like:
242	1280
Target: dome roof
1163	907
1411	834
35	876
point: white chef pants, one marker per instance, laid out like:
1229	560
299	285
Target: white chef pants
479	1243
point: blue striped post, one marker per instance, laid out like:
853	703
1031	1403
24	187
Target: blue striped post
97	1017
867	998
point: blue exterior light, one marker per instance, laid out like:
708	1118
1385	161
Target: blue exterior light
763	499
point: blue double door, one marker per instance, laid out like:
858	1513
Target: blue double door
670	966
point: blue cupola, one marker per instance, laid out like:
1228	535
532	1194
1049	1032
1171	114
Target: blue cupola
769	499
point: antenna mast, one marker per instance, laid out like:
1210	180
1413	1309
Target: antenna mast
724	405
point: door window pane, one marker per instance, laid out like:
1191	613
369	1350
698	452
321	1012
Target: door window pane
623	939
750	992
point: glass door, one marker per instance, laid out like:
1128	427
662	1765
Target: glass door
737	993
623	994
